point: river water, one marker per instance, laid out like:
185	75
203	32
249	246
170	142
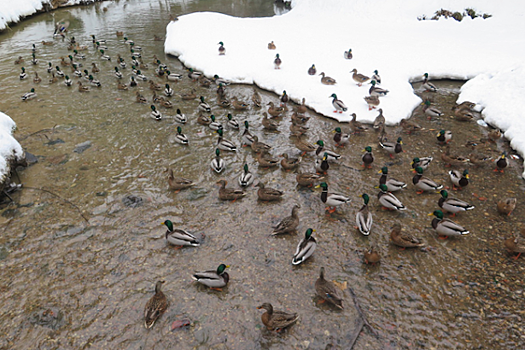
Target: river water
78	262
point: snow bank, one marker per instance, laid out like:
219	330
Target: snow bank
383	34
9	147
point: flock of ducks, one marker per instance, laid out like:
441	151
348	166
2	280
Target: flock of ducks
322	159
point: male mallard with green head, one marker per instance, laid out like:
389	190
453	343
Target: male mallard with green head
305	248
332	200
179	237
215	279
363	218
446	227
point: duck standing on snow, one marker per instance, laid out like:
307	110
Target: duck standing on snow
271	46
222	50
348	54
376	77
312	70
277	62
377	91
359	78
339	106
327	80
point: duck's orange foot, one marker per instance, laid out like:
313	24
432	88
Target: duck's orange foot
442	237
420	192
517	256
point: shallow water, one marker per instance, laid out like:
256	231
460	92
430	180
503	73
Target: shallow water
72	284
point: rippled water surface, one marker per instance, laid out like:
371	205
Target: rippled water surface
78	264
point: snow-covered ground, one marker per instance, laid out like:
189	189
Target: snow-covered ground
384	35
9	147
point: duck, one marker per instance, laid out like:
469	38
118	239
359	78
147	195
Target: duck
377	91
188	95
173	76
332	200
371	256
94	82
274	111
122	63
501	163
276	320
348	54
29	95
506	206
363	218
232	122
67	81
178	183
220	81
444	136
388	200
247	136
450	160
339	105
431	112
428	86
358	77
516	244
356	126
463	115
218	164
379	121
422	162
79	55
223	144
392	185
299	119
308	179
409	126
224	102
376	77
140	98
229	194
221	92
94	68
154	86
288	224
194	75
312	70
271	46
214	125
77	73
180	137
155	114
215	279
372	101
321	164
341	139
321	150
459	179
423	183
305	248
121	86
284	98
268	123
19	60
368	157
58	72
132	81
118	74
446	227
258	146
23	75
288	163
204	106
165	103
392	147
155	307
256	99
238	105
204	82
37	79
404	240
180	117
82	88
298	130
50	68
53	79
494	135
222	49
266	160
64	63
268	193
327	80
327	291
103	56
304	145
246	178
478	159
179	237
119	33
453	205
277	62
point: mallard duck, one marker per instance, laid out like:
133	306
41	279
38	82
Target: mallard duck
238	105
222	50
298	130
501	163
180	117
247	136
193	74
214	125
444	136
404	240
304	145
23	75
229	194
268	193
204	82
312	70
103	56
118	74
154	86
358	77
332	199
67	81
274	111
79	55
221	92
128	41
178	183
53	79
428	86
164	103
305	248
289	223
232	122
446	227
47	43
372	101
494	135
392	147
140	98
453	205
376	77
218	164
321	164
136	54
58	72
368	157
223	144
328	291
392	185
422	162
220	81
204	106
132	81
463	114
340	138
356	126
37	79
377	91
449	159
459	180
301	109
82	88
339	105
388	200
142	77
379	122
308	179
505	206
478	159
423	183
327	80
348	54
204	120
284	98
19	60
179	237
409	127
276	320
188	95
50	68
269	124
271	46
122	63
64	63
256	99
431	112
215	279
266	160
29	95
277	62
516	244
119	33
77	73
180	137
94	82
155	114
121	86
321	150
258	146
363	218
289	163
299	119
168	91
246	178
155	307
224	102
173	76
371	256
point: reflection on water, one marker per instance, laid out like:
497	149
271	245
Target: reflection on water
71	284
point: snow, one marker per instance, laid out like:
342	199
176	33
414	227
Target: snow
383	34
9	147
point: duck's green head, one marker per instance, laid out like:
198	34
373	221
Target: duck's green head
368	149
320	143
221	268
179	130
419	170
308	233
384	170
168	86
33	54
399	140
229	116
221	43
90	77
202	98
132	78
383	188
32	89
441	133
465	173
415	160
153	108
373	82
116	69
23	70
67	77
76	52
75	66
365	198
57	68
277	56
212	117
376	72
425	75
49	64
245	167
284	92
101	51
168	224
325	156
168	72
246	124
427	103
438	214
70	57
217	152
125	38
133	58
322	185
219	131
139	72
338	130
334	96
444	194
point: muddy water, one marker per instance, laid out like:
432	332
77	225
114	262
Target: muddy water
75	283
